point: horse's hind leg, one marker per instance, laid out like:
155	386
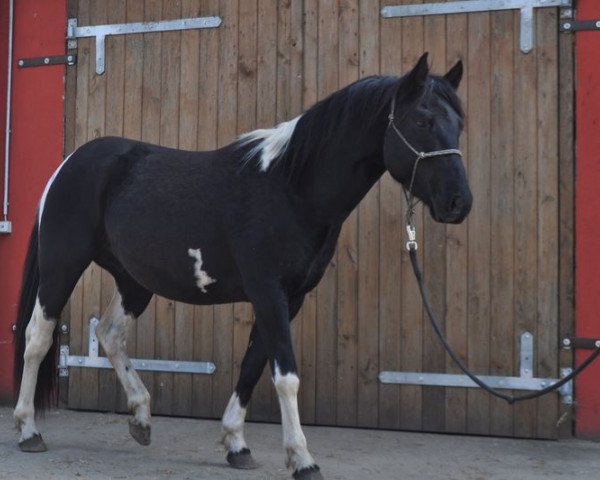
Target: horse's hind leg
112	334
38	338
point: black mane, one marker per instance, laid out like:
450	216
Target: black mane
320	125
366	101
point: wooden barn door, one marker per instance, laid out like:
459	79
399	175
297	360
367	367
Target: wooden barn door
506	270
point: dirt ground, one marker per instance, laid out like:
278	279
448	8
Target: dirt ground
98	446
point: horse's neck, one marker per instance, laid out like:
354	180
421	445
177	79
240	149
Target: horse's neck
342	176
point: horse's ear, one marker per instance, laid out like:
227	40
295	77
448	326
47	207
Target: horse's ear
455	74
416	79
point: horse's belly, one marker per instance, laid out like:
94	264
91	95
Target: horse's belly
195	269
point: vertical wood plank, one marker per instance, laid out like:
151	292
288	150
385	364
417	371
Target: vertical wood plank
390	248
77	328
263	402
308	314
115	52
479	224
69	146
246	120
208	71
368	248
566	135
347	283
132	128
434	259
169	124
296	47
411	324
226	132
184	332
92	276
327	82
457	245
547	199
502	208
525	216
150	132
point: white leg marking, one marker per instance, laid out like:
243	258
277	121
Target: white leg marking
233	425
294	440
202	278
112	334
271	141
38	339
47	189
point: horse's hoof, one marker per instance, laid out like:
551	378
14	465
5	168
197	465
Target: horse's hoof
310	473
140	433
242	459
33	444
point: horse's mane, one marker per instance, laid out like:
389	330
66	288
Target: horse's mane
294	145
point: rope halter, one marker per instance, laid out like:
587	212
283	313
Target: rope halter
408	193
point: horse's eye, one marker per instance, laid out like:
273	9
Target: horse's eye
421	123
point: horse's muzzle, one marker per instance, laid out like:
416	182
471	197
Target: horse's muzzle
455	210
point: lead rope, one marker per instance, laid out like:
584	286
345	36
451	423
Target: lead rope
509	398
412	246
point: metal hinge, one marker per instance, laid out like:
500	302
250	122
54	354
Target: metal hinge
525	380
69	59
93	360
100	32
471	6
573	25
582	343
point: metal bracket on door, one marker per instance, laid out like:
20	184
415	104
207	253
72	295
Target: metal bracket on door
93	360
579	25
70	59
100	32
525	380
471	6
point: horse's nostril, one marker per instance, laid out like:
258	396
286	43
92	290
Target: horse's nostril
457	204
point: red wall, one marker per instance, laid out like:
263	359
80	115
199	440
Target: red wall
36	144
587	200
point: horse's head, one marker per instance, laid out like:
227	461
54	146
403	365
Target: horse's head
421	141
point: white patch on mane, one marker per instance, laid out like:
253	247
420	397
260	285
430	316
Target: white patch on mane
202	278
272	142
47	189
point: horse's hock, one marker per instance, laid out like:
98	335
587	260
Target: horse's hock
502	273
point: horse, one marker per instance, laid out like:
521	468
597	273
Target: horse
255	221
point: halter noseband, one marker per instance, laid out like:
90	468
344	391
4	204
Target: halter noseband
410	198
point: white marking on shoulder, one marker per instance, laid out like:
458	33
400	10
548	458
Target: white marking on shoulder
47	189
202	278
272	142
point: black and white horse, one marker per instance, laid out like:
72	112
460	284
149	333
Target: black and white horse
255	221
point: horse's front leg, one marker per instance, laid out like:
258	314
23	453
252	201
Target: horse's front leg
272	321
253	364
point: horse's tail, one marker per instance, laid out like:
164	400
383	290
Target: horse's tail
45	393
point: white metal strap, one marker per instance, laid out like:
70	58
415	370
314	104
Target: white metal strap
471	6
100	32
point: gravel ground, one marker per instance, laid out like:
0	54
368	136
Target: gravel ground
84	445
